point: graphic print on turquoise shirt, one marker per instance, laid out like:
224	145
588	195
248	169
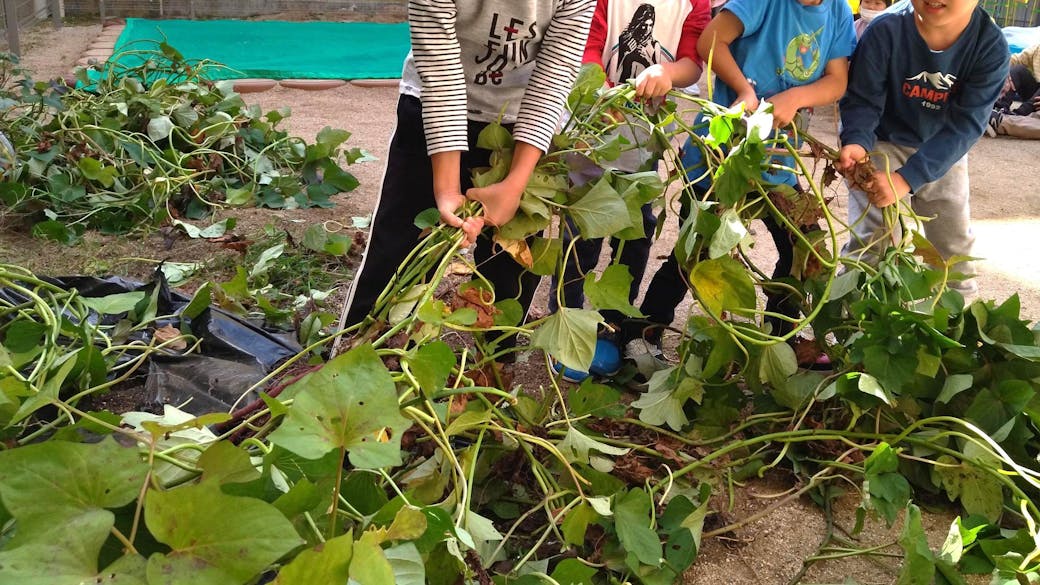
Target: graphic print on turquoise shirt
802	59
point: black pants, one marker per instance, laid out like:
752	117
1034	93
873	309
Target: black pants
634	255
408	190
669	285
1026	88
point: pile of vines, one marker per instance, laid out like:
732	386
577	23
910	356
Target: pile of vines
404	458
148	137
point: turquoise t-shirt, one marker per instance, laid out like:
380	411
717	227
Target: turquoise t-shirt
786	44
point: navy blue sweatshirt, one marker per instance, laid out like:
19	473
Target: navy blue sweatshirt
939	102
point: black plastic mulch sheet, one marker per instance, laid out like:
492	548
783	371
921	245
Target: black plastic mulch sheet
235	353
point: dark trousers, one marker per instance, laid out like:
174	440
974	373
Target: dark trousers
408	190
1026	88
634	254
669	285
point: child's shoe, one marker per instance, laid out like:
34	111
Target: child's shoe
606	361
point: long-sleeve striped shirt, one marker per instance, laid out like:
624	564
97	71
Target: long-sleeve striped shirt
485	60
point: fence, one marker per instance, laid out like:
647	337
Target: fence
347	9
18	14
1013	12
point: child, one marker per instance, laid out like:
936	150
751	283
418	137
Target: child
471	63
868	10
654	43
922	86
749	42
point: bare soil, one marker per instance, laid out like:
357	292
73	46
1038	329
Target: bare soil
767	551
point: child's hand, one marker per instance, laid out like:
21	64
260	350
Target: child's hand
784	109
448	204
750	100
653	82
848	157
500	200
887	189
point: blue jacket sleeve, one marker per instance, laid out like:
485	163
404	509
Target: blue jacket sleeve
969	112
865	96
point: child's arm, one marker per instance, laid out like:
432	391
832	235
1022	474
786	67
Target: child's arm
865	97
553	76
827	89
437	55
714	44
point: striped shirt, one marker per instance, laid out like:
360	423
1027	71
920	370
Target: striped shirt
507	60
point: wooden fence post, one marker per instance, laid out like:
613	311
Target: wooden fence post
11	25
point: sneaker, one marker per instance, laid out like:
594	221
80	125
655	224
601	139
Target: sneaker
606	361
647	358
995	118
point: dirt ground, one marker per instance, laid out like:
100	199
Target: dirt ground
1006	213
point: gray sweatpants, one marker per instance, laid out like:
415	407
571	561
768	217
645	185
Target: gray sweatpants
945	201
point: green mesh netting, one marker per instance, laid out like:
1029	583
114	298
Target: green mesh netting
279	49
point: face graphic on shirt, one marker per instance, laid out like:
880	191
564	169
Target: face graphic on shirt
637	49
506	48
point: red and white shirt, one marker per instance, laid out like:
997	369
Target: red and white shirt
628	36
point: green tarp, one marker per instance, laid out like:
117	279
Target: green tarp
278	49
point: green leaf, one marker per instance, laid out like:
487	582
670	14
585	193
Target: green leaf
215	539
918	561
953	386
869	385
887	491
892	369
595	399
779	363
845	283
577	523
611	291
69	555
576	446
573	572
796	391
407	564
995	409
601	212
328	562
24	335
980	492
58	232
432	364
225	462
663	402
723	284
728	235
266	258
546	254
212	231
60	493
114	304
632	523
494	136
428	218
159	128
200	301
349	404
331	138
93	170
569	335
